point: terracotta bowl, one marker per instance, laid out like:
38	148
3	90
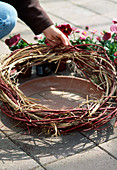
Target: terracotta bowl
60	92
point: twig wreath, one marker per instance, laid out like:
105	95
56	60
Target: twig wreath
96	66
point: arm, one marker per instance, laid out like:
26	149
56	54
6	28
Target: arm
32	14
37	19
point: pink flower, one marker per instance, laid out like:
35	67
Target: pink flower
94	31
38	37
13	40
102	33
113	28
115	61
115	20
74	29
98	38
106	36
87	27
84	33
82	37
115	54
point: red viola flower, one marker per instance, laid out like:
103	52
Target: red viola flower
13	40
115	20
65	28
106	36
46	42
115	38
115	61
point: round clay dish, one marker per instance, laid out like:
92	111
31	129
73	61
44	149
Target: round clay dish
60	92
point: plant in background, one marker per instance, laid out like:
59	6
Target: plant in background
108	40
16	42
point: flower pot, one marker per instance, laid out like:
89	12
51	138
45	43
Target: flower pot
43	69
26	72
59	67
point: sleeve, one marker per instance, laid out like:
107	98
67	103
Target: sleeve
31	12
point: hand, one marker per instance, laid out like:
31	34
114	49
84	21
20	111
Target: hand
55	36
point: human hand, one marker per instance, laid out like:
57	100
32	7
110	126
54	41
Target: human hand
55	36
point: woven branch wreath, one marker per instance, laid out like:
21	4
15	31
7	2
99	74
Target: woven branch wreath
91	60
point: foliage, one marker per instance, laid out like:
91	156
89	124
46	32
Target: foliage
16	42
108	40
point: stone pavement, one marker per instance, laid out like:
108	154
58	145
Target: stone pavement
78	150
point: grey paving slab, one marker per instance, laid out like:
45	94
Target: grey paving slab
110	147
3	48
1	135
99	7
79	13
112	14
94	159
65	11
73	151
49	149
9	125
12	157
102	135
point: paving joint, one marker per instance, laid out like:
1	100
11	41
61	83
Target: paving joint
15	143
98	145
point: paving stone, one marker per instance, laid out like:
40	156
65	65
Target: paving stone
80	17
110	146
65	10
110	14
12	157
73	151
1	135
95	6
94	159
9	125
102	135
3	48
49	149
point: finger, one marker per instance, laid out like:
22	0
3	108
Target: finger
64	39
53	42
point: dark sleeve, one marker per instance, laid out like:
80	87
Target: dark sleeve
32	14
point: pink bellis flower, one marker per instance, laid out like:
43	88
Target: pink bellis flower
94	31
82	37
13	40
38	37
115	54
113	28
106	36
84	33
87	27
98	38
